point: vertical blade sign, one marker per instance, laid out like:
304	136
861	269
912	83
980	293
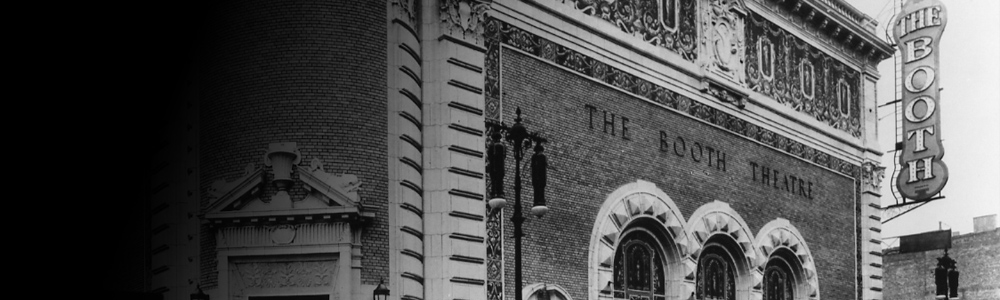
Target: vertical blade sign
917	31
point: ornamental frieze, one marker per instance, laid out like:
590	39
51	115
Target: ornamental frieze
664	23
499	33
797	75
824	31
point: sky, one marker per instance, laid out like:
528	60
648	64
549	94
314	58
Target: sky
970	119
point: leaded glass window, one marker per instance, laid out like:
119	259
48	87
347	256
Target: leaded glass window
639	270
716	280
778	282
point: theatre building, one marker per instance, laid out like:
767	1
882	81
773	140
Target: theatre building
695	149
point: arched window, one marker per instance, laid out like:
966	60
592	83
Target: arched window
779	283
716	279
639	270
543	291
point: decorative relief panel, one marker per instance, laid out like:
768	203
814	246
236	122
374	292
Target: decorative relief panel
407	10
724	39
499	33
267	275
494	257
665	23
798	75
872	175
465	17
494	239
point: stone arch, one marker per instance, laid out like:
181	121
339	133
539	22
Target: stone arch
554	291
780	239
639	204
715	224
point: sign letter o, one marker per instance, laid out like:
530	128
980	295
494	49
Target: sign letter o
930	109
927	81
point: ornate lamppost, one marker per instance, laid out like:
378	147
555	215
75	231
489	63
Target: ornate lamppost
381	292
199	294
521	140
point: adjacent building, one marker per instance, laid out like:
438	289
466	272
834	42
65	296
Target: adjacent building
714	149
977	256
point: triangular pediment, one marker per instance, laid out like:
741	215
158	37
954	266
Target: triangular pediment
329	196
230	195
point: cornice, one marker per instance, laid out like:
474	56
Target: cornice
848	27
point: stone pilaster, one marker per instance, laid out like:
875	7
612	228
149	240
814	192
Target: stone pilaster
870	202
452	47
871	227
405	158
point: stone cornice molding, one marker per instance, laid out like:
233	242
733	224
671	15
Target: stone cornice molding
850	30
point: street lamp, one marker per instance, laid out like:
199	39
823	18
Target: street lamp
521	140
381	292
199	294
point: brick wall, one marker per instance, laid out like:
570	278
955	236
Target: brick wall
309	72
910	275
587	164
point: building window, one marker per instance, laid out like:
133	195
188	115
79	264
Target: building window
778	283
844	98
807	79
715	280
547	292
639	270
306	297
668	14
765	55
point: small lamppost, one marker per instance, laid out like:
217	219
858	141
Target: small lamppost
199	294
381	292
520	140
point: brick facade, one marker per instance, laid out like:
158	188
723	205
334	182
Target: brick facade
911	275
312	73
589	163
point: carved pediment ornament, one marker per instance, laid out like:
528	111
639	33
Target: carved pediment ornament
337	189
330	196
